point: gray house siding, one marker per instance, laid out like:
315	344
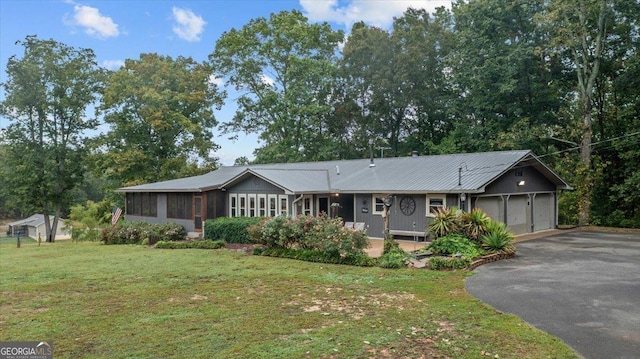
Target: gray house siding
255	185
508	182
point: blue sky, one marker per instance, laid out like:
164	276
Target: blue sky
119	30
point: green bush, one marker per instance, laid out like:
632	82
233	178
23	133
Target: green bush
395	258
230	229
307	255
389	245
136	232
453	244
321	234
191	244
85	234
439	263
498	238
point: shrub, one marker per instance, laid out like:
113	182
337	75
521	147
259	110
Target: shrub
498	238
389	245
230	229
439	263
315	234
307	255
395	258
191	244
453	244
474	223
136	232
85	234
445	222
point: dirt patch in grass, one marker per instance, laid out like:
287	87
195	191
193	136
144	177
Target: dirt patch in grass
241	247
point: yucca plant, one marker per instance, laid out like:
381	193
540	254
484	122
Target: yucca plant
475	223
498	238
446	222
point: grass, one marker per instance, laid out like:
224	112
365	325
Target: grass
96	301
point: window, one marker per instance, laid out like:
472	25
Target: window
262	205
243	205
180	205
306	206
142	204
273	206
284	206
378	203
233	205
434	203
252	205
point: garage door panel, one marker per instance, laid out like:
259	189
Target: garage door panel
518	214
543	212
491	206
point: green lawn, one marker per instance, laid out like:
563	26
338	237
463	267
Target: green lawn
96	301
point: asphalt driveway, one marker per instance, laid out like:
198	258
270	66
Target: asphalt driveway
583	287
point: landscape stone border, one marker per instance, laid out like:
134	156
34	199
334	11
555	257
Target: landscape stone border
490	258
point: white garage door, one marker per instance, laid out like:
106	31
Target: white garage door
492	206
517	214
543	212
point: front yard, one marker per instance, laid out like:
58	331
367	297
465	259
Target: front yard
97	301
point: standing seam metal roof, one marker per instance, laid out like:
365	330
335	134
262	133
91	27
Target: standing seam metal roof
433	174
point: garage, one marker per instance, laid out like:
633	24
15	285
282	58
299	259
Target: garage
543	211
518	210
492	206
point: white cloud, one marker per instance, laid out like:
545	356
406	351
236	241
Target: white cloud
112	64
216	80
267	80
94	23
376	13
189	26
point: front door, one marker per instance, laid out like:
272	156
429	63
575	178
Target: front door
323	205
197	213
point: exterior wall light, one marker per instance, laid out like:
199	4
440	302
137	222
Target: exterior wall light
521	183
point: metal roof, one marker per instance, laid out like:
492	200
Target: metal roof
467	172
34	221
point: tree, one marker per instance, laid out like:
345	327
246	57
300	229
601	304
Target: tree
509	85
160	113
48	92
283	68
579	31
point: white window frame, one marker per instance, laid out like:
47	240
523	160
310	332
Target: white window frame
272	212
252	205
307	205
430	197
233	205
242	205
262	206
283	210
377	199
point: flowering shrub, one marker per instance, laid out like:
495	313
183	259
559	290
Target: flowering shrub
307	233
136	232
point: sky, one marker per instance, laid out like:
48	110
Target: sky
118	29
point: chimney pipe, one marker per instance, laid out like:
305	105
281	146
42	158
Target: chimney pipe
371	164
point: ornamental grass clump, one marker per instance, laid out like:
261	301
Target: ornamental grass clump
474	224
498	238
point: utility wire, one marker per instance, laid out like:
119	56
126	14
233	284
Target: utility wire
553	153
